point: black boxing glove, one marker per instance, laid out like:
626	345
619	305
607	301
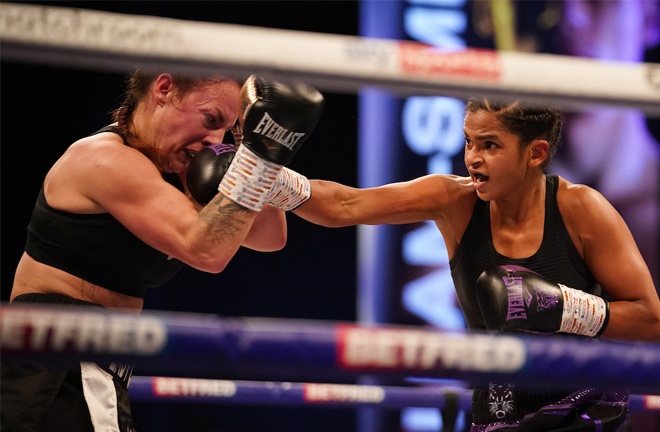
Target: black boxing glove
207	169
513	298
276	119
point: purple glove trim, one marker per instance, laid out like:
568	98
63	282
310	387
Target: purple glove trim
222	148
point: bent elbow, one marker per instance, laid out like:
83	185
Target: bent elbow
279	244
655	328
210	264
273	244
217	267
650	331
276	241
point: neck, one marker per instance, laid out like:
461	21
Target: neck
520	205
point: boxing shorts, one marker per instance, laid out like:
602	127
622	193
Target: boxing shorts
83	397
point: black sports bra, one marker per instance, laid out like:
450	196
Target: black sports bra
96	248
556	259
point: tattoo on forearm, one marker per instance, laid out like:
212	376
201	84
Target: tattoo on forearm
87	289
224	217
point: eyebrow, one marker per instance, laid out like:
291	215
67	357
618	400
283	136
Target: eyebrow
219	115
484	136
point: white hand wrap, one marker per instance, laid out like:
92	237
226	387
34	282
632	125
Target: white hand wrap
290	190
584	314
249	179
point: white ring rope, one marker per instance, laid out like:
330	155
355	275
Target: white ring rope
118	42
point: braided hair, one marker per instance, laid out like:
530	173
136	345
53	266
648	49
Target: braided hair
527	121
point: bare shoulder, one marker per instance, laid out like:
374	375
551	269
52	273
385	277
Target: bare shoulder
105	147
447	199
443	193
94	169
449	185
105	156
587	214
447	180
453	199
578	200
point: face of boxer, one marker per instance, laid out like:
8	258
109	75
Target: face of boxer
186	122
492	156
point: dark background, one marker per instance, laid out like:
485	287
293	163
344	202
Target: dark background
45	109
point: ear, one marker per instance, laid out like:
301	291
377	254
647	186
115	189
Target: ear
163	87
538	152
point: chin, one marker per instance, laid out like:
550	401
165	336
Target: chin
483	196
174	166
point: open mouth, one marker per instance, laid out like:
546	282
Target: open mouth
191	154
479	178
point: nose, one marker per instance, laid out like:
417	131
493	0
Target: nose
472	157
214	137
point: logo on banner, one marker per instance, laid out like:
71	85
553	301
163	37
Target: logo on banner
62	331
420	59
398	349
173	387
343	393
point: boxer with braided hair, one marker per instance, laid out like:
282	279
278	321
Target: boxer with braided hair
529	252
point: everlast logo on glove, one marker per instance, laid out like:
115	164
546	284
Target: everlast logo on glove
513	298
267	146
516	305
267	127
520	297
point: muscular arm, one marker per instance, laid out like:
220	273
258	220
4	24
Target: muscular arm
612	256
268	232
89	179
426	198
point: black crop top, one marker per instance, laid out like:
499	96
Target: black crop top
556	259
96	248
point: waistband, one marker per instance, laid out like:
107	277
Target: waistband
50	298
121	371
505	402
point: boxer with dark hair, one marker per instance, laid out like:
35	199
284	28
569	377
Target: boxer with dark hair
527	250
115	218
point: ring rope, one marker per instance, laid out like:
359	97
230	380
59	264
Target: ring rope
193	390
119	42
293	393
180	343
